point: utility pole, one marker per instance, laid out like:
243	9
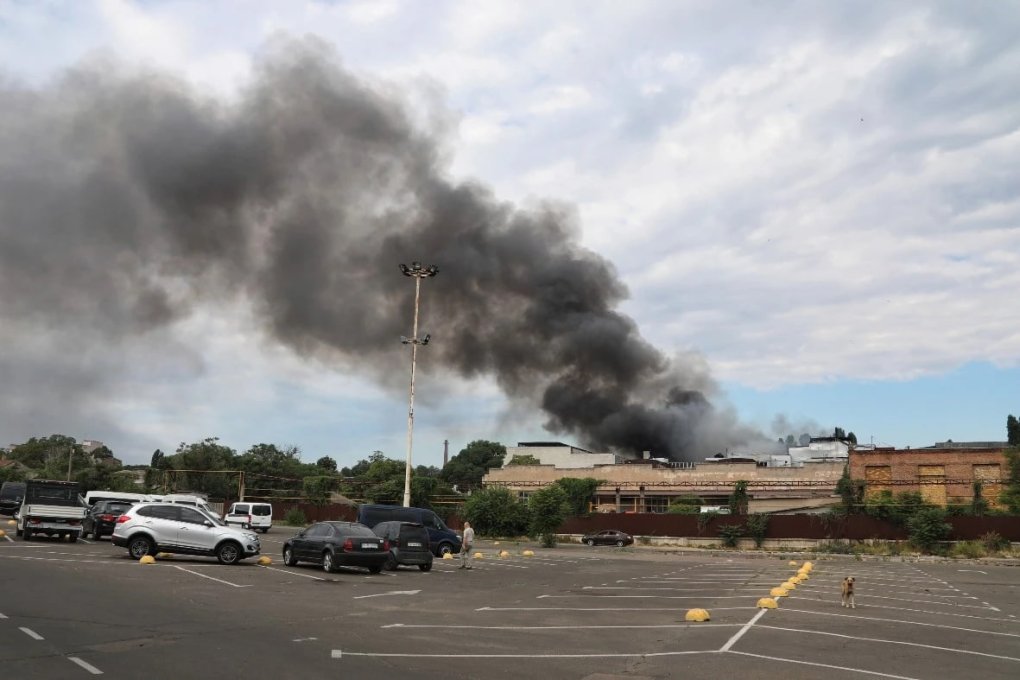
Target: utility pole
417	272
70	460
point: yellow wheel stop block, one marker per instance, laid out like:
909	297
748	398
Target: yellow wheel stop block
697	615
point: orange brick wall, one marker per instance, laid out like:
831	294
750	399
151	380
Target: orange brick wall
907	467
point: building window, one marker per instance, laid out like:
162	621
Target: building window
656	503
988	473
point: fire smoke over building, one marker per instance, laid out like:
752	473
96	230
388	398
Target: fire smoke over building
129	200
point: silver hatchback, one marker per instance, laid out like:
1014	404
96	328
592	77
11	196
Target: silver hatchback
148	528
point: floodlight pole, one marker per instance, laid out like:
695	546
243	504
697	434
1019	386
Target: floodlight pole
418	273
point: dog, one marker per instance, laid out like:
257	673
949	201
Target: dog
848	592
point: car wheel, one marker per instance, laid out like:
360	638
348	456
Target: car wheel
288	557
375	569
327	562
391	562
425	567
27	534
18	532
73	538
140	546
228	552
619	544
265	530
589	541
96	535
445	549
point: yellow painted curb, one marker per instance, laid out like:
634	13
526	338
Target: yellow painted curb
448	556
2	533
147	559
479	555
779	592
528	553
793	563
504	553
789	585
767	603
11	522
495	543
265	560
697	615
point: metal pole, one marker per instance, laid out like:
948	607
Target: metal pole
410	407
70	459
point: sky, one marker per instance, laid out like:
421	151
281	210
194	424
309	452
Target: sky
807	213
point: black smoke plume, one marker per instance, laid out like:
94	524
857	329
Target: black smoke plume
128	200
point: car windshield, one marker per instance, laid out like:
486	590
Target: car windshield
215	520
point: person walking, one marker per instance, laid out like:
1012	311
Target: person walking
465	546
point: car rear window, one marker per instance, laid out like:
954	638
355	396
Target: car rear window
118	507
262	510
410	533
241	510
358	530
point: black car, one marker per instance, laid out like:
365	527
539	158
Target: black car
408	542
102	518
11	495
337	544
608	537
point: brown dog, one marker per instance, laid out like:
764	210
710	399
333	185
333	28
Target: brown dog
848	592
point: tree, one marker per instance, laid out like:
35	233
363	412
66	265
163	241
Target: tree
37	452
495	511
466	469
579	493
839	433
207	460
326	463
1012	430
849	490
739	499
317	488
1011	491
790	441
158	461
978	504
927	527
526	459
548	507
685	505
805	439
852	438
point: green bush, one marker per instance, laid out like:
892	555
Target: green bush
295	517
836	547
730	533
757	527
928	527
968	549
704	519
685	505
496	512
549	540
994	541
547	508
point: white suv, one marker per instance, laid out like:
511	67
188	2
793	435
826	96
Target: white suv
148	528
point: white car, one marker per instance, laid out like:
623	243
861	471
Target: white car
148	528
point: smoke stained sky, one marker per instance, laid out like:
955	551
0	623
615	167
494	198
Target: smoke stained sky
761	200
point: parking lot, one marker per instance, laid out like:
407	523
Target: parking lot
75	610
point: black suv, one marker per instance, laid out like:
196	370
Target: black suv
11	495
102	518
409	544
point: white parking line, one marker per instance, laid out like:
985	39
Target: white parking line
825	665
891	642
292	573
31	633
589	627
592	609
900	599
87	666
659	597
339	654
756	589
740	633
85	542
234	585
2	616
911	623
917	611
9	538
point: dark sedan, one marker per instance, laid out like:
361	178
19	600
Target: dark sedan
102	518
337	544
608	537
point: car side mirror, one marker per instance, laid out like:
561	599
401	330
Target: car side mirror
208	523
301	535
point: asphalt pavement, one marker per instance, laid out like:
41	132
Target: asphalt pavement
85	609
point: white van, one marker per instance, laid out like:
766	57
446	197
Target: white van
255	516
93	497
189	499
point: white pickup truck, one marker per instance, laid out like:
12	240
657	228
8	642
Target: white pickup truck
53	508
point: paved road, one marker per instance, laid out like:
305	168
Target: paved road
75	610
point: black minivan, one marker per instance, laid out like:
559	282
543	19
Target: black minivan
409	544
442	539
11	495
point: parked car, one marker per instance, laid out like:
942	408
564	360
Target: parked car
51	507
442	539
93	497
11	495
337	544
409	544
148	528
102	518
608	537
256	516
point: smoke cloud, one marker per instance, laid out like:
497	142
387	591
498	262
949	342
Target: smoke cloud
128	200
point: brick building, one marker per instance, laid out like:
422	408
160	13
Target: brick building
943	474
